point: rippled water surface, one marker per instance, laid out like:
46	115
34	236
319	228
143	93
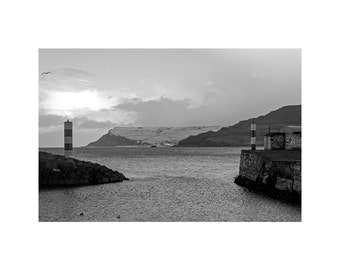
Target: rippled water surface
166	184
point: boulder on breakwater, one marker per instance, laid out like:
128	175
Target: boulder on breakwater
57	170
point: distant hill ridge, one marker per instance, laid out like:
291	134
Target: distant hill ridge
112	140
161	136
239	134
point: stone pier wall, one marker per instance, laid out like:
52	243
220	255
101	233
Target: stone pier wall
260	170
285	174
250	164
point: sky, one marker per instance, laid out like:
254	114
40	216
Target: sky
98	89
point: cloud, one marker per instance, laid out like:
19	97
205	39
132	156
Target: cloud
92	124
67	79
77	73
158	112
48	120
52	122
73	93
217	107
65	73
67	103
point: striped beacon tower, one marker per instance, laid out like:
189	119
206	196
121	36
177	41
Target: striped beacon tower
253	136
68	136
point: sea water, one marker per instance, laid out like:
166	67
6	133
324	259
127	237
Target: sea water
166	184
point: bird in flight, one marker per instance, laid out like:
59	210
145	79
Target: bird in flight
46	72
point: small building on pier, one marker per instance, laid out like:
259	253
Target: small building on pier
274	141
287	138
292	137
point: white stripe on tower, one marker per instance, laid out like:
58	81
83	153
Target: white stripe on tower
253	136
68	136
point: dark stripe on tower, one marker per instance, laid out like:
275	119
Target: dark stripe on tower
68	133
68	146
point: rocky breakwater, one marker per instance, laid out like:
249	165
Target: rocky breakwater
57	170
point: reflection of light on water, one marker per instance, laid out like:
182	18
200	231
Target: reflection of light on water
172	184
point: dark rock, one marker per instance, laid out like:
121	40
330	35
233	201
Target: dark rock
57	170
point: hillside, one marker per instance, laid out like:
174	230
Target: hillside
112	140
239	134
166	136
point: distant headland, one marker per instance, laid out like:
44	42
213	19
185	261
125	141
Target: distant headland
198	136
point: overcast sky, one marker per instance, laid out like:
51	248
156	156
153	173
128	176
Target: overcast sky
99	89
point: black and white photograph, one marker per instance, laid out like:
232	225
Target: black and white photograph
170	135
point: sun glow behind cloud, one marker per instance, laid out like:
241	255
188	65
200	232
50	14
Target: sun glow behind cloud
67	103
